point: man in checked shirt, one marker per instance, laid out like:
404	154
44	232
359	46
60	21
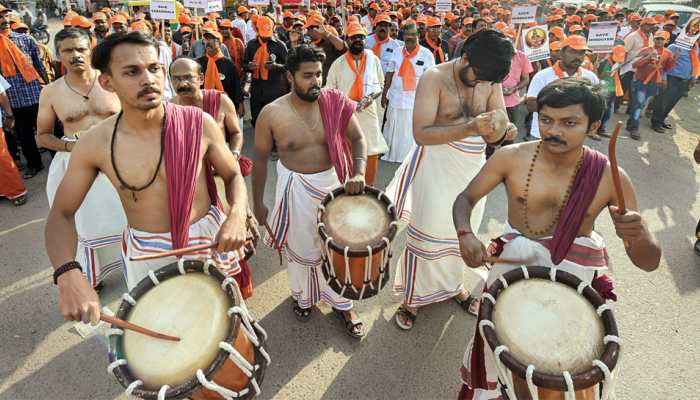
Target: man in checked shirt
22	68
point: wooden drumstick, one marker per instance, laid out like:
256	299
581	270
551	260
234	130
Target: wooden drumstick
128	325
181	251
612	146
498	260
274	241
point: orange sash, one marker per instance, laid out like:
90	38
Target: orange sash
13	59
437	50
407	72
260	58
616	78
232	47
211	77
173	50
560	73
694	61
11	183
377	48
657	73
357	91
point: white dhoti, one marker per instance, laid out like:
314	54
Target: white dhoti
99	221
398	132
293	223
424	188
586	258
204	231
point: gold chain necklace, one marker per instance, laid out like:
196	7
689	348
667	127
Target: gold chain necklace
565	200
303	120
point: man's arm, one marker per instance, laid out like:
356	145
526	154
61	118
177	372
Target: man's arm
36	60
356	183
45	120
387	84
233	133
232	233
491	174
337	42
7	116
532	92
262	148
641	248
77	299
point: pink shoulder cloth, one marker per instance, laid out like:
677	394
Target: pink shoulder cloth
336	110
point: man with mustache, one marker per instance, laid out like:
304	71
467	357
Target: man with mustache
556	189
403	74
571	57
380	43
101	29
359	75
433	42
322	38
159	156
314	158
219	71
79	103
458	109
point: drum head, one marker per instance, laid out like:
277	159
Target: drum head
549	325
356	221
192	307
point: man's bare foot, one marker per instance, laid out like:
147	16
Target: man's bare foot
406	316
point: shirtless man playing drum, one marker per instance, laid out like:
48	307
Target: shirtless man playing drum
155	154
306	172
79	103
557	188
458	110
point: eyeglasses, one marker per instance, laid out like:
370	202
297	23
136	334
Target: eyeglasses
183	78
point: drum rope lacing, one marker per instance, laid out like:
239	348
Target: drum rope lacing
570	394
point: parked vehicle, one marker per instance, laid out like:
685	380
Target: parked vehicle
40	33
684	12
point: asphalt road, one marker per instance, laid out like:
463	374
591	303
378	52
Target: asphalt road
43	357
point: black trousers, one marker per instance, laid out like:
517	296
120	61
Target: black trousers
25	131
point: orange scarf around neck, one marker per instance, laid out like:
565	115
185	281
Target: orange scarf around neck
211	77
260	58
560	72
13	59
357	91
173	50
407	72
657	74
437	50
232	47
377	48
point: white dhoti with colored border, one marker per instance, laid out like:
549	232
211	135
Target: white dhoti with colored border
586	258
99	221
430	269
398	133
204	231
293	223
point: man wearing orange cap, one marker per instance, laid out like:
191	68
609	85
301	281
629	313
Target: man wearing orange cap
634	43
235	46
649	78
381	44
322	39
251	31
571	56
367	21
282	31
79	102
633	20
198	48
264	58
399	95
118	23
359	75
670	27
241	21
458	110
219	72
457	40
21	66
433	42
101	28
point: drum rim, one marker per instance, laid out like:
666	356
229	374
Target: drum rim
583	380
376	248
124	374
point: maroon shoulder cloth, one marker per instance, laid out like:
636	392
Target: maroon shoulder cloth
336	110
583	191
183	136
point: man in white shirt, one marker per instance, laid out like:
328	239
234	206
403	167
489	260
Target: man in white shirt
251	32
632	25
241	21
571	57
367	20
405	68
380	43
634	43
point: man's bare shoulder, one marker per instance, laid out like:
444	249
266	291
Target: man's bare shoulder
210	128
274	109
516	153
48	90
101	132
226	102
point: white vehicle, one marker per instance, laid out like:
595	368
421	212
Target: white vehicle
577	3
684	12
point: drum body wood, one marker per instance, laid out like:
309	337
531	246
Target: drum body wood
356	232
550	333
221	349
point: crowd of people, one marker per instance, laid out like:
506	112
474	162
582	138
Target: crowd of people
329	92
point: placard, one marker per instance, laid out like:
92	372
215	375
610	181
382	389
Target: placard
443	6
523	14
214	5
690	33
258	2
196	3
601	36
162	9
536	43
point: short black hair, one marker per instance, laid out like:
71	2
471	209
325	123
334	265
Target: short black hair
69	33
490	54
476	21
102	53
302	54
571	91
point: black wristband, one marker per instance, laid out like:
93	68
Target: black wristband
65	268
